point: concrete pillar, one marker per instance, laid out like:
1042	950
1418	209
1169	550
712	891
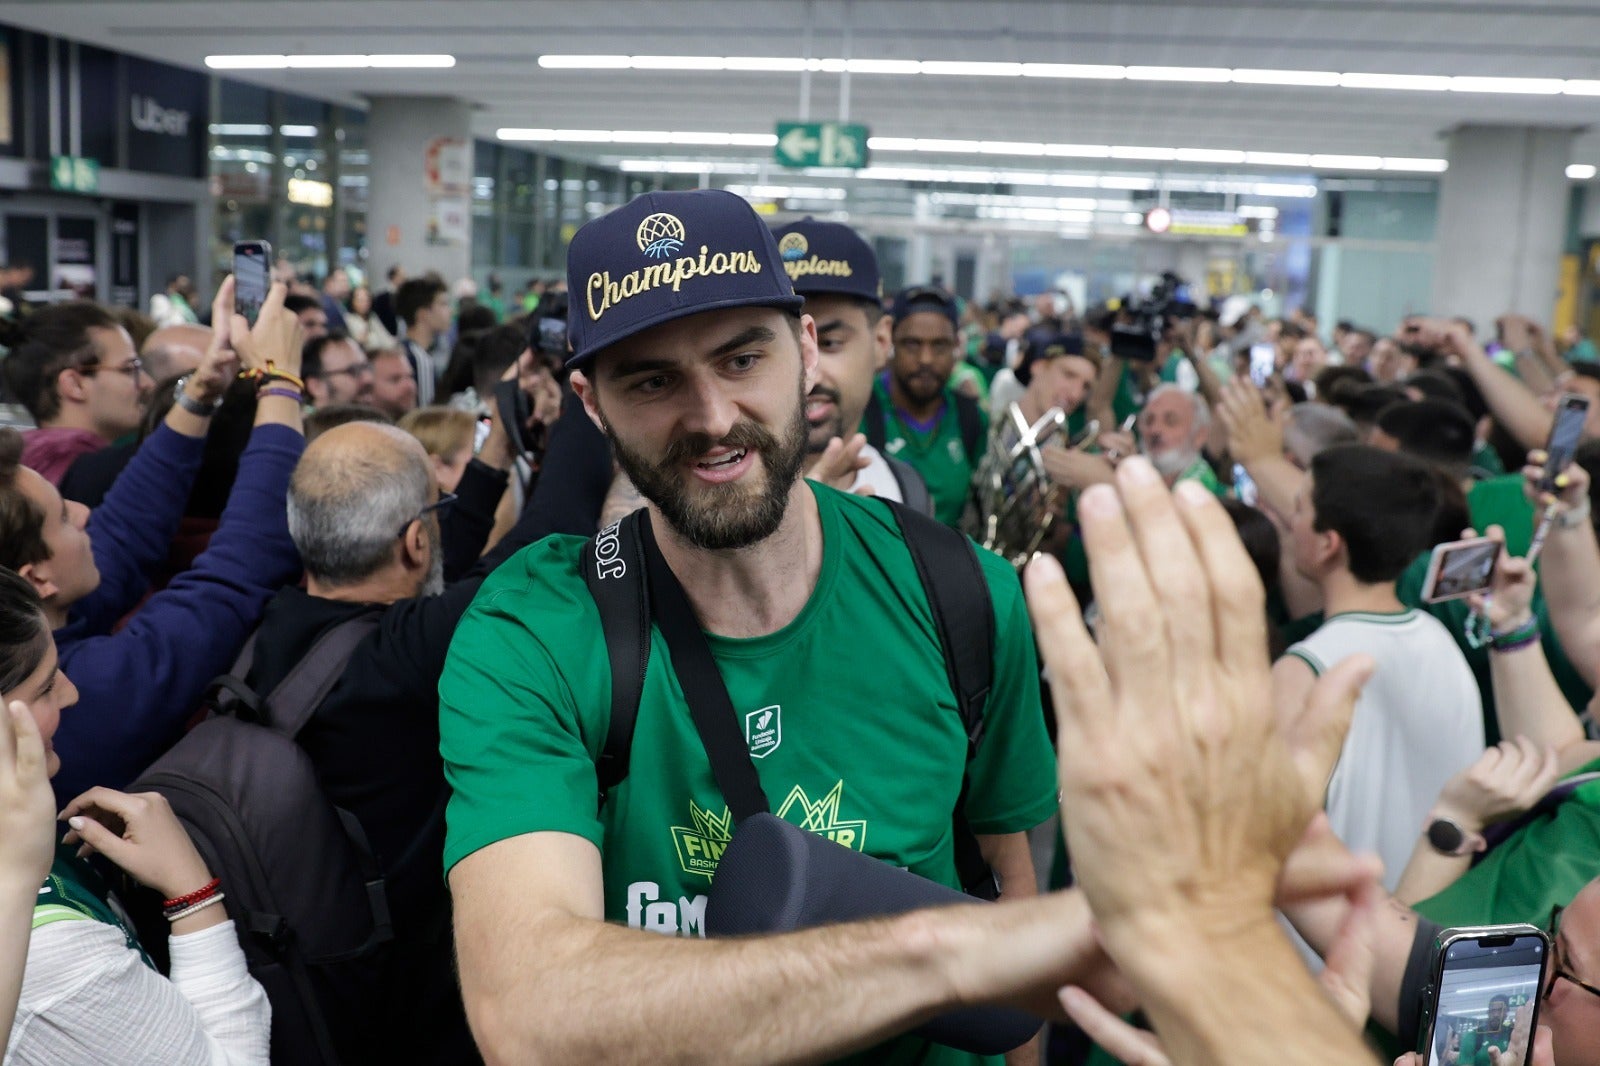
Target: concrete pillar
1502	222
419	211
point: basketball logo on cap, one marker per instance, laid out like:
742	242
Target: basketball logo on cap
793	246
660	235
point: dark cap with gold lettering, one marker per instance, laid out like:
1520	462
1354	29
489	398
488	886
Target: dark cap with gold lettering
666	255
826	258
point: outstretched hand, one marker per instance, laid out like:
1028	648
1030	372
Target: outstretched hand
27	806
1182	795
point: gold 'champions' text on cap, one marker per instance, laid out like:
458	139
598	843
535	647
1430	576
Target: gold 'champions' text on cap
793	248
659	236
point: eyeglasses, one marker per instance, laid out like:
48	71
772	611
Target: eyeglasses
441	505
133	369
1557	970
355	370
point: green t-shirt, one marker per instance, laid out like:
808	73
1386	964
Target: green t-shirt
1475	1046
1496	502
848	710
938	454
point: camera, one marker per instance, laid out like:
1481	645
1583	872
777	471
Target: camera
1141	324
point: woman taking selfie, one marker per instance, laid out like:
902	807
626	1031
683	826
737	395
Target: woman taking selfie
89	993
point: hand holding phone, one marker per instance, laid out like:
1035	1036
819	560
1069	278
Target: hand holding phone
252	277
1566	433
1263	361
1482	1007
1460	569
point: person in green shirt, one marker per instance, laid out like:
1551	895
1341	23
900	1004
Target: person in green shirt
817	624
1495	1032
916	415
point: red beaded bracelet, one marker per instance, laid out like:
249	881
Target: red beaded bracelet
204	892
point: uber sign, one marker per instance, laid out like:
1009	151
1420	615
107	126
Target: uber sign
151	117
165	112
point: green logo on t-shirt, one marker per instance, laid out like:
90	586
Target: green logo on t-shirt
700	847
822	817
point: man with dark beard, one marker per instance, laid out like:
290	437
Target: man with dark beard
689	351
915	415
837	273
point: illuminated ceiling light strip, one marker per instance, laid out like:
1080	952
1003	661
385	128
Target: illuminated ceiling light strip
949	146
973	68
1581	171
329	62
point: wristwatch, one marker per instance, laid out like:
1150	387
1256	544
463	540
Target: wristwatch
1446	837
192	405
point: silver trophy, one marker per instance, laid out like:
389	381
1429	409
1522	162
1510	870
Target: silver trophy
1014	501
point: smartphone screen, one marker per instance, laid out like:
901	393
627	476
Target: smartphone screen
1263	361
252	277
1566	432
1459	569
1243	487
1486	987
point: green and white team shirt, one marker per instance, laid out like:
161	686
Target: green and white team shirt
847	712
938	454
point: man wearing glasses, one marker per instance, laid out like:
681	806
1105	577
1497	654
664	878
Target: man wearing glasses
914	415
75	370
336	371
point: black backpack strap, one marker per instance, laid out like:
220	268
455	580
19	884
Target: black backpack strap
873	423
958	595
913	490
296	698
709	704
613	567
970	419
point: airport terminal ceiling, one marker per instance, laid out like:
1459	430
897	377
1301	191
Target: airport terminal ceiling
1010	72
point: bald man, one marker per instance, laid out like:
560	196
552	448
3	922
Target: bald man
173	351
379	538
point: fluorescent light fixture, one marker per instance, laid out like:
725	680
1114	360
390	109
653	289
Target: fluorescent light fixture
1261	211
1581	87
972	69
1429	83
1520	86
882	66
1277	159
1126	151
1346	162
1010	148
1089	71
1209	155
1189	74
239	129
762	64
1581	171
1324	78
1419	166
585	62
1133	218
298	131
678	63
328	62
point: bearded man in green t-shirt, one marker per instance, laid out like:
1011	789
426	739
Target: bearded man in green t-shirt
697	366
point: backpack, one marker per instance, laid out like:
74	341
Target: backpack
947	564
913	490
874	423
304	888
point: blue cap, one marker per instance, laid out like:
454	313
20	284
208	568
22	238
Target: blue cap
666	255
919	298
826	258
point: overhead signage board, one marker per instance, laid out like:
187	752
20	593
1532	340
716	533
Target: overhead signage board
821	144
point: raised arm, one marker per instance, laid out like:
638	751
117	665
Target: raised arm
1571	569
1511	402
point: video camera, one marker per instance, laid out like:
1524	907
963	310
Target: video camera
1141	324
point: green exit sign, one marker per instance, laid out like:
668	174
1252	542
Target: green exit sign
821	144
69	173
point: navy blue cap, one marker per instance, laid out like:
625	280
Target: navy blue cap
826	258
919	298
1062	344
666	255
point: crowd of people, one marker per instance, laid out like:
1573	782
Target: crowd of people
399	664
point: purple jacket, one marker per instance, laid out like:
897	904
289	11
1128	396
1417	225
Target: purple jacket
137	687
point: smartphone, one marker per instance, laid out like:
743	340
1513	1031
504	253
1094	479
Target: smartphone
1485	985
1263	361
1459	569
252	277
1566	432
